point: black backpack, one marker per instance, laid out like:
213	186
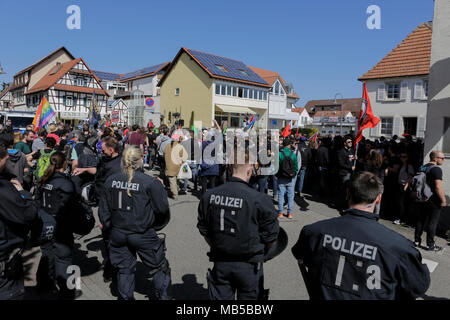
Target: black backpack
287	166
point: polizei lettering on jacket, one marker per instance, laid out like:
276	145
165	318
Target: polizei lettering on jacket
226	201
125	185
352	247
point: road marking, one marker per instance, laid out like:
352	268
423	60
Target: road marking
430	264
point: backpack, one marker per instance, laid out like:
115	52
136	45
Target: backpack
421	190
86	156
43	163
287	166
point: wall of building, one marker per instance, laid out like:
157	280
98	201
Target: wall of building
438	135
397	109
43	68
196	90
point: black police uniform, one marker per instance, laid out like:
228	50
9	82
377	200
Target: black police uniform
55	199
17	212
355	257
239	222
106	168
129	221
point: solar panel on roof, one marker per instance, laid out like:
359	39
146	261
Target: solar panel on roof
234	69
141	72
106	75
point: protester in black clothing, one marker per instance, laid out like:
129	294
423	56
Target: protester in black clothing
353	257
430	210
346	166
306	156
323	166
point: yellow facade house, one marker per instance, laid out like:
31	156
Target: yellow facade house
213	87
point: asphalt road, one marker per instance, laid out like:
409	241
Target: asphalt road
186	252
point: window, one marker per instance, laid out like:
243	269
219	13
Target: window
281	91
177	91
222	68
234	91
393	91
250	94
277	88
222	90
242	72
235	120
217	88
240	92
387	125
425	89
228	90
410	126
69	101
264	95
245	92
85	82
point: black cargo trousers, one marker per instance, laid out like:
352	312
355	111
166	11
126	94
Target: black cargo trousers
151	250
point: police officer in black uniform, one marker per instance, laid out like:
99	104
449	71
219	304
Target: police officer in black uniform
56	195
110	163
17	212
131	201
240	224
355	257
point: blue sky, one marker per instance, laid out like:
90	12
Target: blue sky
321	46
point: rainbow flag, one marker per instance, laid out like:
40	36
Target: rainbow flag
43	114
251	123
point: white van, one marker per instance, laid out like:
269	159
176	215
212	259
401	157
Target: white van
19	119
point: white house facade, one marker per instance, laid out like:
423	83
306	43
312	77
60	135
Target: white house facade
398	87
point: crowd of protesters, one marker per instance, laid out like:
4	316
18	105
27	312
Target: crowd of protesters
69	158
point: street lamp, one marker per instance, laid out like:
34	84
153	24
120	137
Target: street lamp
1	69
335	102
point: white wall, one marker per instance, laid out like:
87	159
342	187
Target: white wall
409	107
145	84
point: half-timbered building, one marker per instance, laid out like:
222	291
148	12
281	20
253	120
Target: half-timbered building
69	88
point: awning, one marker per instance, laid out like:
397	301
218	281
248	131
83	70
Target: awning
234	109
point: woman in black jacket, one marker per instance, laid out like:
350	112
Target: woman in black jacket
56	193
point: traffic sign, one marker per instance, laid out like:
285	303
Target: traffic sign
150	102
115	116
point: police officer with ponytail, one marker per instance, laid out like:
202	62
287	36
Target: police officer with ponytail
56	193
131	200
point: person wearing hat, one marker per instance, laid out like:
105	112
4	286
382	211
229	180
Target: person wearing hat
174	156
287	176
53	129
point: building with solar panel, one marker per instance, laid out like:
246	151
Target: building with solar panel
122	86
202	87
282	100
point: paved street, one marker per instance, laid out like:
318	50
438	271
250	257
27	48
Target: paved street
186	252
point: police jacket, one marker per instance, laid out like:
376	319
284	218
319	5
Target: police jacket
56	195
355	257
344	159
135	214
238	220
105	168
17	212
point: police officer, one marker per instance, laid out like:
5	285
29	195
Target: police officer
17	212
355	257
56	193
131	201
110	163
239	224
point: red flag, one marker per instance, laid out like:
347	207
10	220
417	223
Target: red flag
366	118
107	123
314	136
287	131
